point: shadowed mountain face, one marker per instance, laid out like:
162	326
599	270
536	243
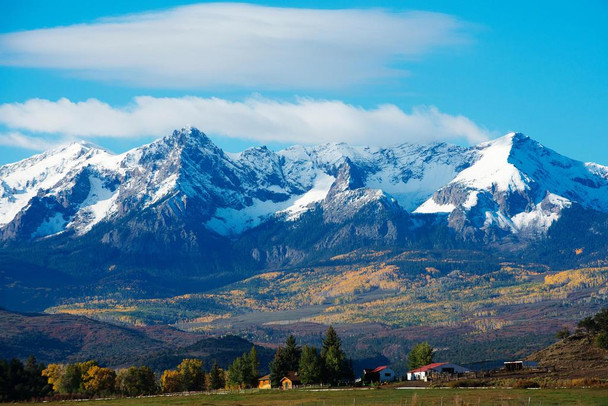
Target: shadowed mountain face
180	215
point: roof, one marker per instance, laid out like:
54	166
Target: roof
375	370
264	378
428	367
292	376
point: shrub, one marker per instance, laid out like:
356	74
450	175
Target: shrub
467	383
602	340
563	333
525	384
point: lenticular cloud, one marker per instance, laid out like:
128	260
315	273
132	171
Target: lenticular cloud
304	120
240	45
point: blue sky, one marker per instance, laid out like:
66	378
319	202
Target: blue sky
279	73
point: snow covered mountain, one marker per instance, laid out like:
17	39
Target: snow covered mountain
186	186
517	186
180	215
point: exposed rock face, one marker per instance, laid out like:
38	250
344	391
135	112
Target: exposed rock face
516	186
183	193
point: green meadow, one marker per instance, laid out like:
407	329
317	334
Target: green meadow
358	397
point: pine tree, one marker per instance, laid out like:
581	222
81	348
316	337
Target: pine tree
335	365
310	366
254	366
246	370
292	353
216	380
235	373
278	368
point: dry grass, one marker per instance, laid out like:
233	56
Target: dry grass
377	397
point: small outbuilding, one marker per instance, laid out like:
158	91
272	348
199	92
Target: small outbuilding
430	371
264	382
290	381
519	365
380	374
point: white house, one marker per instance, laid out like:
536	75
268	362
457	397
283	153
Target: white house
428	371
380	374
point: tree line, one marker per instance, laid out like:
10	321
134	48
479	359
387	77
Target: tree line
312	366
596	326
327	366
19	381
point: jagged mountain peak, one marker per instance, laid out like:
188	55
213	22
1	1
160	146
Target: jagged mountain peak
182	139
512	182
516	184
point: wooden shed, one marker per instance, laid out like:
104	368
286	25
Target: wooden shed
290	381
264	382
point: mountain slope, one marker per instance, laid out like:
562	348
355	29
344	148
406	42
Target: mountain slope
180	215
186	175
517	186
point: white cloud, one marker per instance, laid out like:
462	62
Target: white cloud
16	139
241	45
306	121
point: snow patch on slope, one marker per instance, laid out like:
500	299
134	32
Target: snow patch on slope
97	206
318	192
413	191
430	206
492	169
541	218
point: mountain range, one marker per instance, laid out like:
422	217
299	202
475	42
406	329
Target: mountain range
180	215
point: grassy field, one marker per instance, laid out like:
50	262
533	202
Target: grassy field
409	397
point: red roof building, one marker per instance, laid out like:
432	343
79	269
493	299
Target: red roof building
379	374
427	372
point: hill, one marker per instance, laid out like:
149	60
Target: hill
574	357
465	303
68	338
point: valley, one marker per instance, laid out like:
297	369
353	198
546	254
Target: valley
383	302
485	251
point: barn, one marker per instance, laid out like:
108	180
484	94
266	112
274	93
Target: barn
379	374
428	372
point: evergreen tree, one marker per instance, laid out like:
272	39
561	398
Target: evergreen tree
216	380
335	365
563	333
35	384
310	366
588	323
601	320
278	368
236	373
602	340
254	366
420	355
292	353
22	382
